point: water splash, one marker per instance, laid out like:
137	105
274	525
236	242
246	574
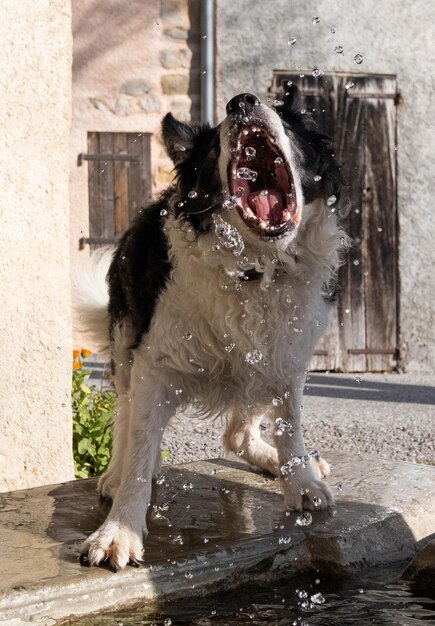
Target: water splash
228	236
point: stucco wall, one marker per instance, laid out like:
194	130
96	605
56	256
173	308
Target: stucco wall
253	39
35	328
132	63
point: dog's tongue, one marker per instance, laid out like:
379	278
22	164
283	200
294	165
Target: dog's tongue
267	204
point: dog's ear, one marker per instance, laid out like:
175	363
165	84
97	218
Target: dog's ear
291	98
179	138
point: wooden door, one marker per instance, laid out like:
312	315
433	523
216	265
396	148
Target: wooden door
359	113
119	183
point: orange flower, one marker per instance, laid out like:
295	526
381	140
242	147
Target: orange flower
85	353
76	365
76	354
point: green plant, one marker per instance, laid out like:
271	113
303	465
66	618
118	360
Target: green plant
92	411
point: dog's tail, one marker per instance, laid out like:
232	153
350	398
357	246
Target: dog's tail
91	299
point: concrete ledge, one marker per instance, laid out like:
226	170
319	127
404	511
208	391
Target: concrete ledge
213	522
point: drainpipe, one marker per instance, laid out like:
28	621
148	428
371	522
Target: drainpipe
207	62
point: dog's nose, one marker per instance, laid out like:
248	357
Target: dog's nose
243	103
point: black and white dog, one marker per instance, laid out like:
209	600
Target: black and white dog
218	293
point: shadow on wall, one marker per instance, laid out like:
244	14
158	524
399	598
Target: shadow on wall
356	388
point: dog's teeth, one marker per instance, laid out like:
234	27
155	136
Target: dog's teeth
287	216
262	224
245	131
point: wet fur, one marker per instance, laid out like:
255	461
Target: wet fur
183	319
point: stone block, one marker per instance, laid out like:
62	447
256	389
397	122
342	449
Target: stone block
136	87
150	104
175	12
178	34
122	107
175	84
98	104
174	59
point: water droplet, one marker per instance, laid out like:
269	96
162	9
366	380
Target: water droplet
339	487
230	203
284	540
350	84
192	194
317	598
250	152
178	392
316	20
160	480
304	519
317	501
301	593
182	148
356	262
278	103
347	311
317	72
292	41
187	486
240	452
317	178
244	173
187	336
230	347
332	30
277	401
163	212
278	161
379	230
331	200
358	379
282	426
253	357
339	49
358	58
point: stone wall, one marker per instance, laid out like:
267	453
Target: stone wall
255	38
132	63
35	324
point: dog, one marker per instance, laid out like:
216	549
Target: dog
218	293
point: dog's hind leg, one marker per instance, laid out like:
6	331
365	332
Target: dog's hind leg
120	538
242	436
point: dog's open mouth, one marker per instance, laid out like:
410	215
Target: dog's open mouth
261	180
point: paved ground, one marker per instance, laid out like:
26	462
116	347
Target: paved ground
387	415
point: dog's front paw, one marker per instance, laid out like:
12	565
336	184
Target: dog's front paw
303	490
114	543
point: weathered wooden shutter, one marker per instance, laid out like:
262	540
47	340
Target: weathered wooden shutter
119	182
361	118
